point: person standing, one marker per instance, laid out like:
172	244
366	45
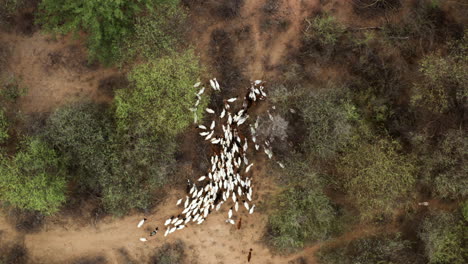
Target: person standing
249	256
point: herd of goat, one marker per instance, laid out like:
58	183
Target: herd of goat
227	179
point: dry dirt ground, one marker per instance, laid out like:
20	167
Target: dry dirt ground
252	44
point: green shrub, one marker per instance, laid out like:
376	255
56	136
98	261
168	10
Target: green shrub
34	179
384	249
444	85
107	23
162	93
157	33
445	240
302	213
3	126
376	176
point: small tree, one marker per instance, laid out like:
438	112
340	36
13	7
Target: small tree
161	96
376	176
34	179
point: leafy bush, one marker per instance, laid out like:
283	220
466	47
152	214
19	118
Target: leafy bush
157	33
106	22
161	96
302	213
444	85
370	250
376	176
173	253
34	179
3	126
444	236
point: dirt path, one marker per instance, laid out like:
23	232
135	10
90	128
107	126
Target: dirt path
54	71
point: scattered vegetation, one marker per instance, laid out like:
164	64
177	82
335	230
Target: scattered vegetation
390	129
